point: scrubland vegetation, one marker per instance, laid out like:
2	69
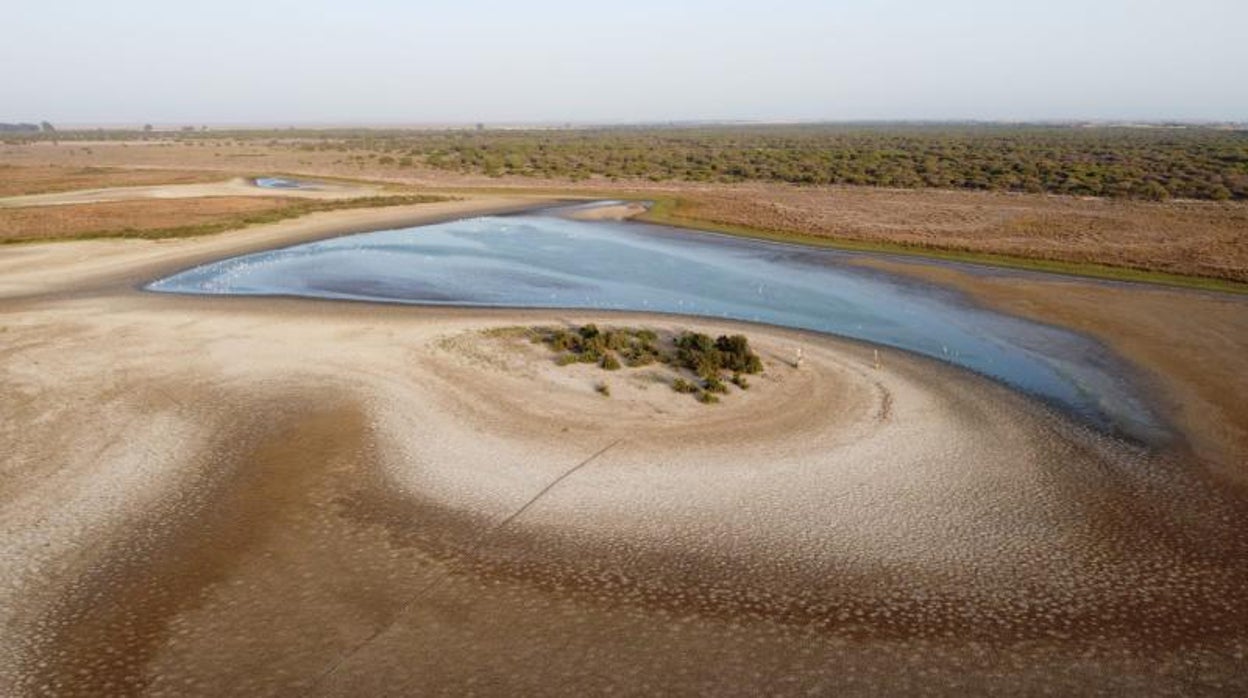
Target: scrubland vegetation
1153	163
1129	163
707	359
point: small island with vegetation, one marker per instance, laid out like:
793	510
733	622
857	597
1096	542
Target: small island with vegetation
705	367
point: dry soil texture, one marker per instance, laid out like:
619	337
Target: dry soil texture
234	496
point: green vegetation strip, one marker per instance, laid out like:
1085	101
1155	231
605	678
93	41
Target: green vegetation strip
666	211
294	210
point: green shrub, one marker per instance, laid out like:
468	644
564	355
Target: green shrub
714	385
618	340
707	398
681	385
566	359
695	342
609	362
562	340
589	357
707	358
740	381
753	364
635	357
736	355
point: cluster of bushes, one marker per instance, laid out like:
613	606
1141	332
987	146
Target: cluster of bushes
708	359
589	345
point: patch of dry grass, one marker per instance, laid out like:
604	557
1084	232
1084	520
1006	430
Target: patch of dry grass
16	180
55	222
1191	238
162	218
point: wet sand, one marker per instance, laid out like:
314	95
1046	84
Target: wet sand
1193	346
215	496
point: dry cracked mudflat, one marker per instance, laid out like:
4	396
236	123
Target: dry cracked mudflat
230	499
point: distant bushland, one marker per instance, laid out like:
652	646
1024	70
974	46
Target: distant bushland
1153	162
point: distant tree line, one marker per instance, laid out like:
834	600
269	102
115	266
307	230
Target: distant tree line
1134	163
1156	163
1130	162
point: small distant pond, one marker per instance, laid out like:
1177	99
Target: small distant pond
282	183
546	261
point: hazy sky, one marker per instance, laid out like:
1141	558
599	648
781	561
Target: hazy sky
317	61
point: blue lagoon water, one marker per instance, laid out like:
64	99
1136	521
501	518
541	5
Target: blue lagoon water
546	261
281	183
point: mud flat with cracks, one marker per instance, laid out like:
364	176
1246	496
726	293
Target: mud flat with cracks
391	508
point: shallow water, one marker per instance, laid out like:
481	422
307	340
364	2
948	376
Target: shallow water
280	183
546	261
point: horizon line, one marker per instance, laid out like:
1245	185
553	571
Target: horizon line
555	124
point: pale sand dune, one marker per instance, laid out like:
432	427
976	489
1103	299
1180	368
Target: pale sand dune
228	496
612	212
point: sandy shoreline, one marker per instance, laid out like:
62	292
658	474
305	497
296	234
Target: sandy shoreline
95	266
1191	346
194	486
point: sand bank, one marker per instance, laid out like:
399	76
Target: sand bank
611	212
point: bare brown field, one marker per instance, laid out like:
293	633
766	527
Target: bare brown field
121	217
1192	238
1203	239
18	180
